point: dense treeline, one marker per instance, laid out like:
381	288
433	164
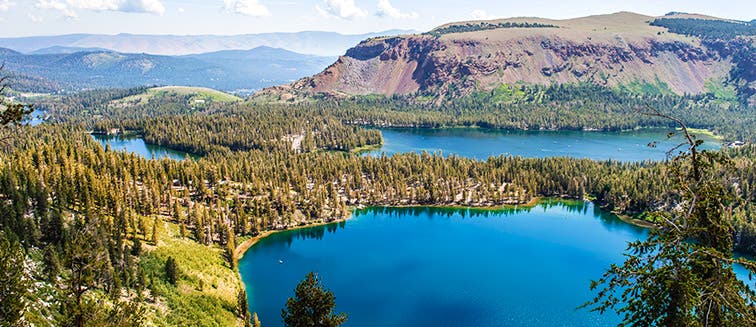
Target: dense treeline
729	39
559	107
88	107
257	190
262	129
533	107
483	26
80	205
84	214
706	28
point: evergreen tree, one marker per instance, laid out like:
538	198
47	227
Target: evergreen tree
10	113
241	299
311	306
171	270
682	274
13	284
136	248
87	260
155	232
52	263
256	320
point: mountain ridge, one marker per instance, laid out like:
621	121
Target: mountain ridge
229	71
612	50
306	42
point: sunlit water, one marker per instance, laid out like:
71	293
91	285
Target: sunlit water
481	143
446	267
137	145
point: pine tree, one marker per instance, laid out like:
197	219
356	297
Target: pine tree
52	263
241	301
311	306
682	274
256	320
13	285
87	260
171	270
136	248
155	232
13	113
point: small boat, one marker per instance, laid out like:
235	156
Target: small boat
280	261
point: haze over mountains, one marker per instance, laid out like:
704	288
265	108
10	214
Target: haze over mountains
674	54
309	42
232	70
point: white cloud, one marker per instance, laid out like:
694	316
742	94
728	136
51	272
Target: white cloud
68	7
346	9
480	14
35	18
51	4
246	7
57	5
148	6
385	9
6	4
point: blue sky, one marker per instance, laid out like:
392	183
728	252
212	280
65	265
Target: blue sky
52	17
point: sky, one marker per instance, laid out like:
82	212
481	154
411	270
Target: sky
227	17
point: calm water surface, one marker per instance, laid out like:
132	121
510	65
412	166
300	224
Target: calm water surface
481	143
36	117
446	267
137	145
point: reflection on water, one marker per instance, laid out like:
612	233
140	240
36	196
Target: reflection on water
481	143
137	145
520	266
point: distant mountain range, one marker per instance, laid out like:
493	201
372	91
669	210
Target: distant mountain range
314	43
233	70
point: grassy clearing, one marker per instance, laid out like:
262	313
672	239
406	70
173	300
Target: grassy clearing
197	96
206	291
657	87
199	92
704	132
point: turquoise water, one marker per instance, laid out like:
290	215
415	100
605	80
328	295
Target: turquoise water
481	143
137	145
446	267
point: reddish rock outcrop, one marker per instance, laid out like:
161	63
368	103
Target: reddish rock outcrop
608	50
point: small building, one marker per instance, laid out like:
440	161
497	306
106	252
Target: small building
735	144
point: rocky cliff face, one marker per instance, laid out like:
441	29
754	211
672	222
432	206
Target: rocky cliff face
608	50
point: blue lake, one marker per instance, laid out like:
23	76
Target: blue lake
137	145
481	143
36	117
446	267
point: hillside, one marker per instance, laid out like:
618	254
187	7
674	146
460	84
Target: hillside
310	42
195	96
617	50
226	70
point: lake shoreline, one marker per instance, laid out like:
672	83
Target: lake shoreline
359	252
702	131
531	203
634	221
242	248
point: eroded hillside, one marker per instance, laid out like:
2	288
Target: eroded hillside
458	58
